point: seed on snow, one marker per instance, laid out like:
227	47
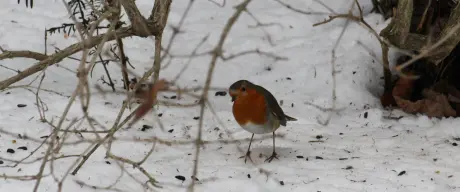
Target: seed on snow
180	177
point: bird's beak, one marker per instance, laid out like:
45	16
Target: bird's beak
233	93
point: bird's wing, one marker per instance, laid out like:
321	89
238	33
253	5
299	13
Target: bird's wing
273	105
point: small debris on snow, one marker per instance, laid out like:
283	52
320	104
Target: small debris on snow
180	177
281	182
319	137
361	181
348	167
340	133
343	159
288	78
108	162
454	144
10	150
23	148
299	156
21	105
1	162
249	175
216	129
193	177
318	157
171	130
160	114
145	127
365	115
220	93
401	173
173	97
196	118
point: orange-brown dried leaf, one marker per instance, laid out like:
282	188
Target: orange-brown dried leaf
434	104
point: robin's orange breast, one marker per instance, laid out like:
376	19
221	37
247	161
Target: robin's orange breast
250	108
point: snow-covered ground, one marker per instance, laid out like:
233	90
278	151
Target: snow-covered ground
361	149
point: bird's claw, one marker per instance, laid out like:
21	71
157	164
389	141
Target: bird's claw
274	155
246	157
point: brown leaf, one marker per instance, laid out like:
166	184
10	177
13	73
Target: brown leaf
434	104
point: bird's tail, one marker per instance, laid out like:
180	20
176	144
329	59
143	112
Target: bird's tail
288	118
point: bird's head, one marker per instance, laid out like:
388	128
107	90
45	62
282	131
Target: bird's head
239	89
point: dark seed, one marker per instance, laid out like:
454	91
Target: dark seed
348	167
319	136
340	133
354	72
173	97
249	176
343	159
288	78
171	130
435	159
180	177
10	150
161	114
365	114
196	118
292	104
402	173
108	162
454	144
44	137
23	148
281	182
318	157
193	177
22	105
1	162
300	156
220	93
145	127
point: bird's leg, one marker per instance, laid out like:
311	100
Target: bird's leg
248	153
274	155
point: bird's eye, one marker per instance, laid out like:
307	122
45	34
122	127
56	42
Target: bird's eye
243	89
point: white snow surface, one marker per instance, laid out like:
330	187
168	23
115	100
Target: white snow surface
374	148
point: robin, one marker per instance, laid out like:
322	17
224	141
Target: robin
257	111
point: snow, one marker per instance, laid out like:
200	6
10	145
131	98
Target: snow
360	133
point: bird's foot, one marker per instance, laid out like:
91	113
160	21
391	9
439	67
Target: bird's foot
246	157
273	156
